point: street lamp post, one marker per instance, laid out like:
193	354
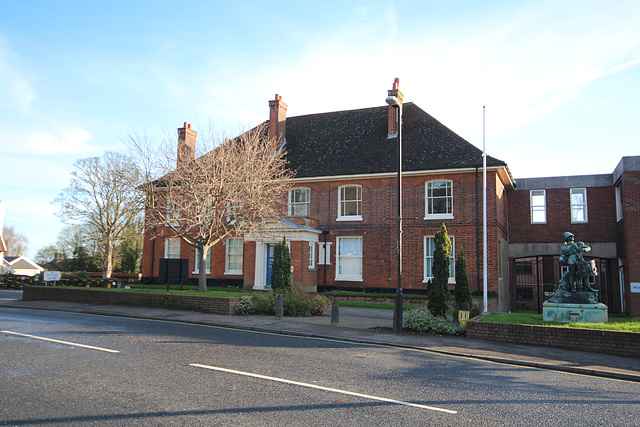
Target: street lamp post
394	99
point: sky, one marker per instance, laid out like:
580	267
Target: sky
560	79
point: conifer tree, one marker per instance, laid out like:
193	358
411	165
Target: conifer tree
439	295
463	299
281	268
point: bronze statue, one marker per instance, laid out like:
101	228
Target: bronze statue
574	286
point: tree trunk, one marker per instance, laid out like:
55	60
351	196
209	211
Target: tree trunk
108	262
202	271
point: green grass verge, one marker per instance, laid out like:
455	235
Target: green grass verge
385	305
211	292
615	323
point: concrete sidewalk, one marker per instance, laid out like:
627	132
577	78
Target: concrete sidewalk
373	326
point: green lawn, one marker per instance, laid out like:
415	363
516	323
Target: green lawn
527	318
385	305
211	292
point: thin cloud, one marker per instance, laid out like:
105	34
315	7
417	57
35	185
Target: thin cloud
15	88
68	141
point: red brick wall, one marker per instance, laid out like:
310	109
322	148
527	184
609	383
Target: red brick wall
601	213
181	302
379	232
608	342
379	229
631	216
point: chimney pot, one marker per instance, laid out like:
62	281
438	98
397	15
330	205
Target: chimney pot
186	144
277	120
393	115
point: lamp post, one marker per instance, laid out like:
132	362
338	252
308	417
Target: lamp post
394	99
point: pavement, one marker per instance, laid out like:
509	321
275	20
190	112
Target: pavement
373	326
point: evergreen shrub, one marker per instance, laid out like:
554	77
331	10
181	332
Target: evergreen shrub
421	320
297	303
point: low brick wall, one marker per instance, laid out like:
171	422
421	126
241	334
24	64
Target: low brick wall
608	342
91	296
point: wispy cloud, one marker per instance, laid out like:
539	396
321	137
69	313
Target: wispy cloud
15	87
52	140
68	141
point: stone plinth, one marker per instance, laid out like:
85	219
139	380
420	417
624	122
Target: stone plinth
574	313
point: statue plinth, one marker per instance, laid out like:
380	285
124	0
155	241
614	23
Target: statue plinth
574	313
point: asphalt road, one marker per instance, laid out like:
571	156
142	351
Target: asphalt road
115	371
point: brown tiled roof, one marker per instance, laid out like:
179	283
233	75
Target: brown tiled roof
355	142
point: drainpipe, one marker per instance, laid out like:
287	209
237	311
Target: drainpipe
153	254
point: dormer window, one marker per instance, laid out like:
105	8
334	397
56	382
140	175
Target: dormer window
299	202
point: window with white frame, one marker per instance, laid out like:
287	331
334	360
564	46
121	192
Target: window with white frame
350	203
172	247
578	205
299	202
312	256
233	210
233	258
324	253
208	262
174	210
619	214
349	258
438	200
429	249
538	202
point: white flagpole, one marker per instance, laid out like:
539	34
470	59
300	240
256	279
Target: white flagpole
484	215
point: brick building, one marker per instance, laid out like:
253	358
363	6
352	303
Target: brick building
341	218
601	210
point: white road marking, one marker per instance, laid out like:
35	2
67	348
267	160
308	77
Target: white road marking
62	342
317	387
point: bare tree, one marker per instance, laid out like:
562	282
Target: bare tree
15	242
72	237
46	254
228	190
102	197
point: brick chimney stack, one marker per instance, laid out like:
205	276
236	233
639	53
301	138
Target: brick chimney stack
186	144
277	120
392	113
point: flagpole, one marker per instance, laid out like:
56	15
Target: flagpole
484	215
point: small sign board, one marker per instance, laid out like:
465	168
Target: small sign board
52	276
463	316
635	287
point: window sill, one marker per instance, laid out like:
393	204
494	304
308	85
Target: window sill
198	272
348	278
349	218
438	217
233	273
451	281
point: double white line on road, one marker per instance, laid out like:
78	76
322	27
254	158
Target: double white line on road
317	387
108	350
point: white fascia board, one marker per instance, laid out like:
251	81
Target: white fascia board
390	174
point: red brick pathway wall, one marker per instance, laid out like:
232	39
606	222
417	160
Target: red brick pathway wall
89	296
608	342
